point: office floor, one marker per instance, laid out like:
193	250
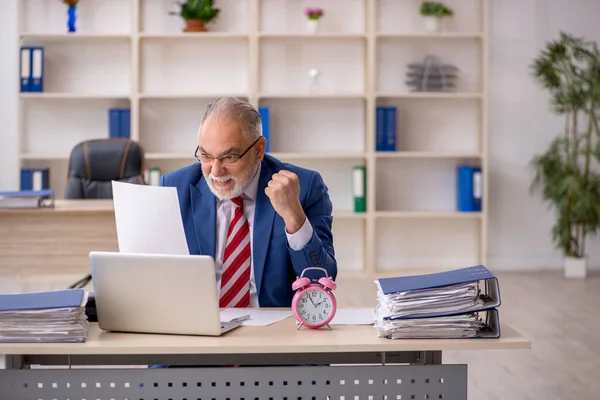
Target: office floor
559	316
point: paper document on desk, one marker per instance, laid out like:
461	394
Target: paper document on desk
354	316
258	317
148	219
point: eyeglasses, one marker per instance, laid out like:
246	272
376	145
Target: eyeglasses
228	159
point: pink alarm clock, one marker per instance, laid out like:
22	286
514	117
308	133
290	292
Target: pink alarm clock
314	304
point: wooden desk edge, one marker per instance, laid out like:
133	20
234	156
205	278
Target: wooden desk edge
110	343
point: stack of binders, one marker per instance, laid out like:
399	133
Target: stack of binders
44	317
454	304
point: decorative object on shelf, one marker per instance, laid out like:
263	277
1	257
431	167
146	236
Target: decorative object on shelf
314	304
71	14
431	75
313	15
566	174
433	13
196	14
314	74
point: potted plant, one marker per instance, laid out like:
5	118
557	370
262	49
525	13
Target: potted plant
313	15
433	12
566	174
196	14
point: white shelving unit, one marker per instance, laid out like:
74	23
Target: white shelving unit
133	54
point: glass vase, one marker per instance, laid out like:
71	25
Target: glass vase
72	18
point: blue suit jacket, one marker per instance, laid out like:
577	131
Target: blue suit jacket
276	265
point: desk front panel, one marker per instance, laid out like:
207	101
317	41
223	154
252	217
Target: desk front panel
53	241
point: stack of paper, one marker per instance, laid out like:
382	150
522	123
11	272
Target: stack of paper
56	316
454	304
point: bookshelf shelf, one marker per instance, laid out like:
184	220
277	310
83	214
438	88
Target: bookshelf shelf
426	154
435	35
74	96
322	89
427	214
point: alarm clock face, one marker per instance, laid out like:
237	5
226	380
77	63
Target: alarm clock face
314	306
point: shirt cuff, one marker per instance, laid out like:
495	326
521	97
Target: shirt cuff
298	240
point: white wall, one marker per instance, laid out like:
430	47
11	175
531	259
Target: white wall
520	121
521	125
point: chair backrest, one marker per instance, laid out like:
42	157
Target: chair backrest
93	164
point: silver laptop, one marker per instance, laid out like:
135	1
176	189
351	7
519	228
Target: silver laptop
152	293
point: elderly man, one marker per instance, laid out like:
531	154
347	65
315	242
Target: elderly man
263	221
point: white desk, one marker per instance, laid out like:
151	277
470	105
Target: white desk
366	367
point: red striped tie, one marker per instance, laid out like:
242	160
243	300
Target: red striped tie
235	280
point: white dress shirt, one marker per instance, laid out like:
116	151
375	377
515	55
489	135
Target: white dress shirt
225	212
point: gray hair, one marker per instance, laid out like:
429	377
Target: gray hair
231	108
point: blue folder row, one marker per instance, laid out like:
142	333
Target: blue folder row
35	178
32	69
119	123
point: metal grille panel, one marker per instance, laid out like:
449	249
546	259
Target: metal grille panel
391	382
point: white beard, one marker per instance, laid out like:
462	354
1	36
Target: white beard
238	188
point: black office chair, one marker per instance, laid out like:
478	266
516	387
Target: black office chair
93	164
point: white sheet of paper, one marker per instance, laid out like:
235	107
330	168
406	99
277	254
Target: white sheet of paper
258	317
354	316
148	219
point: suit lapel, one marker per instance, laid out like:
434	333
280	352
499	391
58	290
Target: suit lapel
263	225
204	209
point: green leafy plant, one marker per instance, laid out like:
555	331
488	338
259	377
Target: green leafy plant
566	173
203	10
435	9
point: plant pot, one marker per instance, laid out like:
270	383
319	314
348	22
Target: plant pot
194	25
312	25
575	267
432	24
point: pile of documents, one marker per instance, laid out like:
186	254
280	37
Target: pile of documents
44	317
455	304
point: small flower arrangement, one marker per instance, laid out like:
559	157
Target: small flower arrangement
71	3
314	13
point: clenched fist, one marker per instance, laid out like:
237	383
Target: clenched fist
284	192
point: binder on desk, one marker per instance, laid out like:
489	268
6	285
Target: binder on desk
466	297
43	317
43	300
27	199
